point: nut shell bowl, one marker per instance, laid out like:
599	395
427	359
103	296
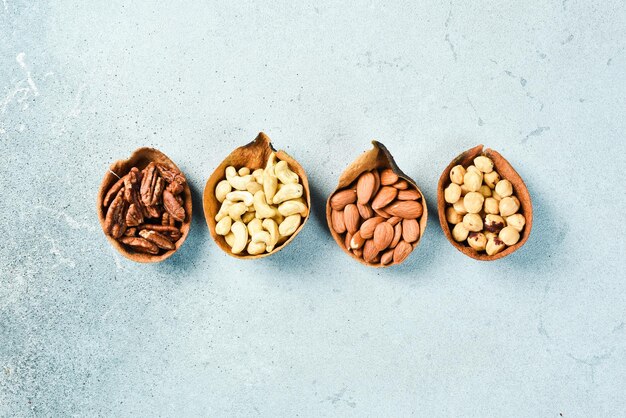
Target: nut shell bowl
506	171
254	156
140	158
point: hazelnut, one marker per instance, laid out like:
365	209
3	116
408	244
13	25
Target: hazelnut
492	206
517	221
464	190
485	190
459	232
490	235
456	174
472	180
509	235
494	223
494	246
508	206
496	195
459	207
452	216
473	222
504	188
484	164
477	240
491	179
452	193
473	201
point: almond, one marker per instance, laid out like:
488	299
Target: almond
365	187
397	235
347	240
410	194
410	230
407	209
357	241
388	177
369	251
342	198
337	221
368	227
383	235
365	210
384	196
394	220
351	218
401	252
401	185
382	213
387	257
358	253
376	182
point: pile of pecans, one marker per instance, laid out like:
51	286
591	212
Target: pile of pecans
146	209
379	214
482	207
259	209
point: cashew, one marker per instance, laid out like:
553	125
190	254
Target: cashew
223	210
237	182
222	189
291	207
241	237
258	175
255	226
278	218
262	236
263	210
243	171
289	225
272	227
288	192
240	196
271	161
253	187
236	210
255	248
230	239
284	174
247	217
223	226
270	184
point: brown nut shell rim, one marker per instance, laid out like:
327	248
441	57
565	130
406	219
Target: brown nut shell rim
506	171
378	157
140	158
254	156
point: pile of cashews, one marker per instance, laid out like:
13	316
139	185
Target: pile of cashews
260	209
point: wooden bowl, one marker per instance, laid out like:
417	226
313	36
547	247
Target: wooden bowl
253	155
378	157
506	171
140	158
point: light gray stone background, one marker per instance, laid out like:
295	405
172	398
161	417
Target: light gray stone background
308	331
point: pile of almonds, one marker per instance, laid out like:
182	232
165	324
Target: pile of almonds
482	207
145	209
379	215
261	209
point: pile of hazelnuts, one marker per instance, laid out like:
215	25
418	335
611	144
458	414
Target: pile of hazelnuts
482	207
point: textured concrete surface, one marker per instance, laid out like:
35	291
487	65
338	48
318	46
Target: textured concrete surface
309	332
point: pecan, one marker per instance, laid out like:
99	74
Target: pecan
113	191
141	245
173	206
159	239
148	185
171	175
165	219
132	184
175	235
134	216
175	188
159	228
130	232
114	223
